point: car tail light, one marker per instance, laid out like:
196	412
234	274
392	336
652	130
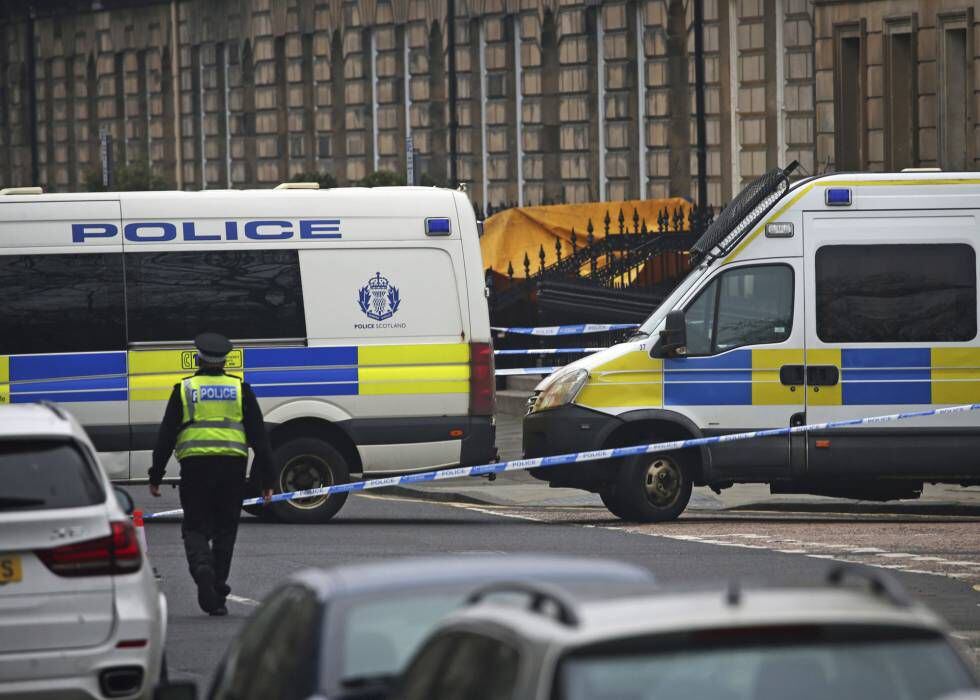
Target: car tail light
481	379
118	553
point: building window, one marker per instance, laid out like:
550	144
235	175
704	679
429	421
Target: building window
954	99
849	121
896	293
901	98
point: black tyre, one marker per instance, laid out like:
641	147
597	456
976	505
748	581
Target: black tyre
308	463
652	488
609	500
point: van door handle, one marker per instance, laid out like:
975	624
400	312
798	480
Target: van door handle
822	375
791	375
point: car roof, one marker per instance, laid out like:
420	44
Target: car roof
34	420
420	572
668	612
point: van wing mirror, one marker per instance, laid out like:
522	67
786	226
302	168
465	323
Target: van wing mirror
673	338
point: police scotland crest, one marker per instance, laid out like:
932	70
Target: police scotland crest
379	299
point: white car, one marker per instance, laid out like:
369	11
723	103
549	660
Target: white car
81	615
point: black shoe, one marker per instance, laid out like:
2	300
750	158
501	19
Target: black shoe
219	611
222	589
207	598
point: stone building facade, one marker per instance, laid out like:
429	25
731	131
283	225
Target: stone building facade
558	100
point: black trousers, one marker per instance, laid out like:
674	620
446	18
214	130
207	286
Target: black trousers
211	493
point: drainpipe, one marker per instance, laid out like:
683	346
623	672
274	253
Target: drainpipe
175	73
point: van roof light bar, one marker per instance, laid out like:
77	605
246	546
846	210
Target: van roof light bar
880	583
744	212
539	595
22	190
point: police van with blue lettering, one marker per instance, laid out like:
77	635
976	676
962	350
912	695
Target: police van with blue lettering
359	317
831	298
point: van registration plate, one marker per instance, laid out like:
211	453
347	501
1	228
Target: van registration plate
10	569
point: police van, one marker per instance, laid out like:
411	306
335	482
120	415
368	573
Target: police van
836	297
359	317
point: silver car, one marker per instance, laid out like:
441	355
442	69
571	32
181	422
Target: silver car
81	615
830	642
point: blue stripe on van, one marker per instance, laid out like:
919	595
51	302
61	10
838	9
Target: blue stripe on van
707	394
866	375
28	367
257	358
69	385
886	357
885	393
274	390
71	396
297	376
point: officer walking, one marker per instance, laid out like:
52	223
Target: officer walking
210	421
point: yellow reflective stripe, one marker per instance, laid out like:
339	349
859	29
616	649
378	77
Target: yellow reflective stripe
955	375
440	379
4	379
767	389
153	373
632	379
434	354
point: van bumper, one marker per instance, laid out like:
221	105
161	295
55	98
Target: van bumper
564	430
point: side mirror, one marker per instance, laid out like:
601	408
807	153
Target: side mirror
125	500
673	338
179	690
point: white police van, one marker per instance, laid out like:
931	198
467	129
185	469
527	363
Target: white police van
359	317
836	297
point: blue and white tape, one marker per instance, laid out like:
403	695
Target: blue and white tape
594	456
575	329
517	371
547	351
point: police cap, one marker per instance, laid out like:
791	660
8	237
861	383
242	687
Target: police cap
212	347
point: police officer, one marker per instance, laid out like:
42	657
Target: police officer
210	421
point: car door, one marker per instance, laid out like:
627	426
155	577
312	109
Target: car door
895	329
744	365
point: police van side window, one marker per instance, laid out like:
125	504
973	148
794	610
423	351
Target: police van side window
750	305
896	293
242	294
61	303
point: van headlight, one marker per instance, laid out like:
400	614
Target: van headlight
561	390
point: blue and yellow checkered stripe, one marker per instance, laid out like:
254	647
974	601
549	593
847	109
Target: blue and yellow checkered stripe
149	375
878	376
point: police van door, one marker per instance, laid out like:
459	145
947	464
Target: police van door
895	325
744	367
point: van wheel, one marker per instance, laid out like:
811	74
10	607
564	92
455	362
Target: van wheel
652	488
309	463
608	495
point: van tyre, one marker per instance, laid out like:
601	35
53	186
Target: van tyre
307	463
651	488
609	499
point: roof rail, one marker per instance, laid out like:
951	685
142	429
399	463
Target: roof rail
880	583
539	594
55	409
298	186
22	190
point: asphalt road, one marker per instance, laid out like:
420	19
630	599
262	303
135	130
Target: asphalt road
374	527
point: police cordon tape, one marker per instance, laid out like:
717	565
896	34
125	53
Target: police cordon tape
547	351
514	371
577	457
575	329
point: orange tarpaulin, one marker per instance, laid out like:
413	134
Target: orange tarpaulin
507	236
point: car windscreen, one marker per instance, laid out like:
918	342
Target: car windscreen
44	474
800	663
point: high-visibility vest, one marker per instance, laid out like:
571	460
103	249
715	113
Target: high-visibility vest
212	417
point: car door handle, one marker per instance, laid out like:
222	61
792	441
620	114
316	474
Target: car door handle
791	375
822	375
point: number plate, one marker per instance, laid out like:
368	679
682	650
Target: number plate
10	569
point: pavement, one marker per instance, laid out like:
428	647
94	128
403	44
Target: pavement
521	489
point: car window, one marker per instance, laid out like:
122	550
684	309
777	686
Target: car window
841	667
478	668
379	636
275	655
751	305
422	673
43	474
